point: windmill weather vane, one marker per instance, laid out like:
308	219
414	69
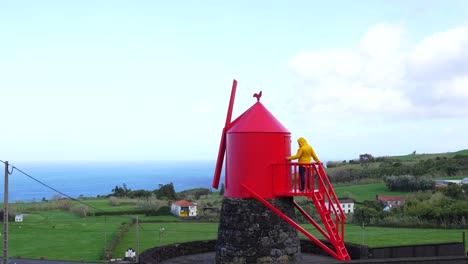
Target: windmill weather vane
258	95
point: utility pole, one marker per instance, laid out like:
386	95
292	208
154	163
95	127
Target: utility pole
137	242
464	241
5	217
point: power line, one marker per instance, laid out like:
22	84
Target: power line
60	192
50	187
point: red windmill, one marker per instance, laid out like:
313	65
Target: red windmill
255	145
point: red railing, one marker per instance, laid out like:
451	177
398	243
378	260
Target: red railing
287	181
325	187
316	186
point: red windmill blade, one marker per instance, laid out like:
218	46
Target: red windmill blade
222	144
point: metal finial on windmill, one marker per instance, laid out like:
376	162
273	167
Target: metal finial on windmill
258	95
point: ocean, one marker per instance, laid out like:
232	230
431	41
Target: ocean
93	178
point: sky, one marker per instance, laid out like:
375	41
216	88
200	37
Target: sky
151	80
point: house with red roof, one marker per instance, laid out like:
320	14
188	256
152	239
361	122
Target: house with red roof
184	208
391	201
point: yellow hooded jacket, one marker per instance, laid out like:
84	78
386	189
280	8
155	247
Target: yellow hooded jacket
305	152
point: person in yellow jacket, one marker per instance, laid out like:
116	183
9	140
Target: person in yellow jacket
304	155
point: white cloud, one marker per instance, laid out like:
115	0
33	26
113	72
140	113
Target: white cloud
382	77
441	51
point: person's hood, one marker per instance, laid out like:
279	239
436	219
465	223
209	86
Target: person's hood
301	141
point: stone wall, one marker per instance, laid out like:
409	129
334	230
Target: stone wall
426	260
357	253
158	254
425	250
249	232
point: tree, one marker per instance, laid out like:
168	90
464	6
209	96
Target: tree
120	191
365	159
166	191
454	191
409	183
364	215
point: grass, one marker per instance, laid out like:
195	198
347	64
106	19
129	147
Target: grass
367	191
407	159
149	234
351	166
162	218
462	152
57	235
384	236
417	157
101	204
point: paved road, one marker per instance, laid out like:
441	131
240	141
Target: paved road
38	261
208	258
205	258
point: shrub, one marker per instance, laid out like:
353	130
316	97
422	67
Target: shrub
117	236
81	210
409	183
163	210
62	204
114	201
151	203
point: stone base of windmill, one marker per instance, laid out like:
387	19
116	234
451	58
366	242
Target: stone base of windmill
249	232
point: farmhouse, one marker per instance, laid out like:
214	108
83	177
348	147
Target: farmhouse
391	201
19	218
184	208
346	204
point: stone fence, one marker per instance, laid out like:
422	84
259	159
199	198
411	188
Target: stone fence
439	253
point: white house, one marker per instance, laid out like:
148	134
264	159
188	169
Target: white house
184	208
130	254
19	218
346	204
445	183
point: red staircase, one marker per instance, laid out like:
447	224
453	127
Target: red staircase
320	191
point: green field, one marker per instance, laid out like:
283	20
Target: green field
57	235
406	159
371	236
150	234
417	157
367	191
61	236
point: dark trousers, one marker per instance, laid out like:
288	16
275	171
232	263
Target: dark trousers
302	172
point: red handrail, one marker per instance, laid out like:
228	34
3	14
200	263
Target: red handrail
323	195
324	188
342	215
